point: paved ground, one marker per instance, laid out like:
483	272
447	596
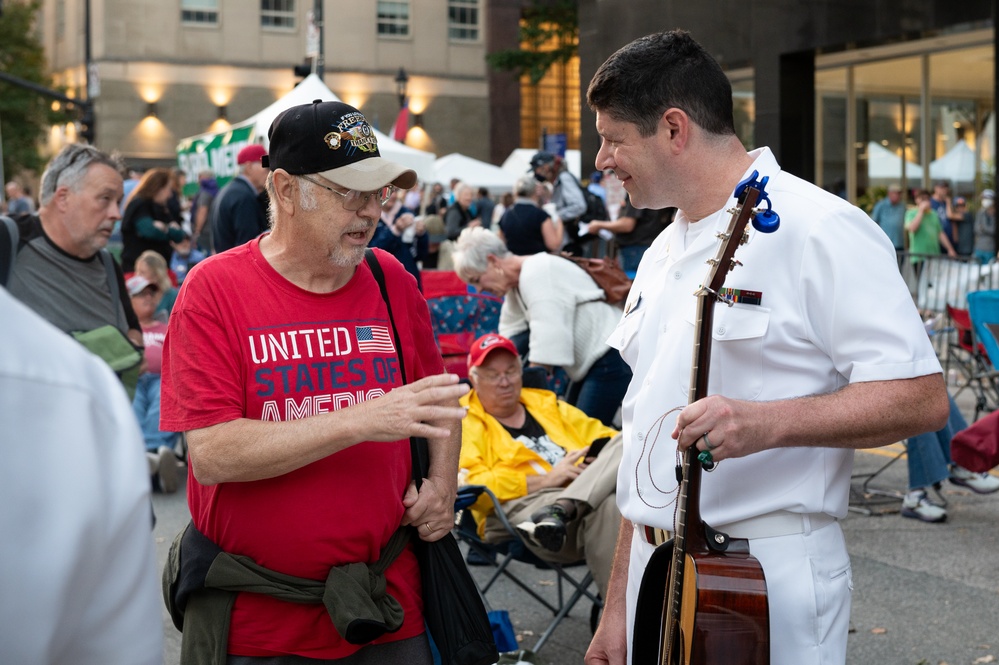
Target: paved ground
925	594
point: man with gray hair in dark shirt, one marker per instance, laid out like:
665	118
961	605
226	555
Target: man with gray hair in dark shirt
60	271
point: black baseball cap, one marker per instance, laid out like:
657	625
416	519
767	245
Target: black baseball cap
540	158
334	140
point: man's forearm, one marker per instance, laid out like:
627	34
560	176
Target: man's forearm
861	415
444	458
609	645
619	225
245	449
617	588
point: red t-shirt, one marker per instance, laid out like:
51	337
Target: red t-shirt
246	343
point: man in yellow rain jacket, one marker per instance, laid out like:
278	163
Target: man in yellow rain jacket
539	457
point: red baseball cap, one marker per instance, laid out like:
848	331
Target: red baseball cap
483	346
250	153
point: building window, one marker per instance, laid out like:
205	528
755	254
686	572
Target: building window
199	11
914	119
463	20
393	19
744	111
277	13
551	106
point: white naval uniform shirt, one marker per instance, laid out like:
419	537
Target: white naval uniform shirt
834	310
78	583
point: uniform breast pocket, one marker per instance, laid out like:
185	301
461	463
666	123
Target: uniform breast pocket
625	336
737	350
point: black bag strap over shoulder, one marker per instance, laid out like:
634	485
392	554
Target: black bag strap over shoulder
418	446
379	274
453	610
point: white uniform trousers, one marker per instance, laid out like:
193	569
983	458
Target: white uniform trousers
809	582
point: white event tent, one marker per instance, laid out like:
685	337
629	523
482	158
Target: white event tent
957	165
216	151
885	167
472	172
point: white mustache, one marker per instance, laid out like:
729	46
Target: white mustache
362	229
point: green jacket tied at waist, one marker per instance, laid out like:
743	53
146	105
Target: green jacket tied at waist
200	584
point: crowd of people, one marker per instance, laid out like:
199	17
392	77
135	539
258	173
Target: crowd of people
938	222
285	358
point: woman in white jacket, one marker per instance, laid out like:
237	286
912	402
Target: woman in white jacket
560	307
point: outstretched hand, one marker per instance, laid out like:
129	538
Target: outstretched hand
421	408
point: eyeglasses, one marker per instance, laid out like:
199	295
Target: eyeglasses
512	375
354	200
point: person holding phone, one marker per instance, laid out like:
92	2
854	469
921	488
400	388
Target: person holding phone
552	467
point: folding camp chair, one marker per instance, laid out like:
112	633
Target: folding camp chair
983	310
868	499
968	356
505	557
458	316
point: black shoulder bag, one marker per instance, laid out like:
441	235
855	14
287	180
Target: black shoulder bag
452	608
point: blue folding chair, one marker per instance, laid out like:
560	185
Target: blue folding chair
983	308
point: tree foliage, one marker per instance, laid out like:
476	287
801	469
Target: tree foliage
25	115
549	32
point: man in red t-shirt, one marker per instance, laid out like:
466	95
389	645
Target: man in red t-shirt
282	367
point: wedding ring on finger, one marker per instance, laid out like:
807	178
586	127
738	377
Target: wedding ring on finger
707	442
429	528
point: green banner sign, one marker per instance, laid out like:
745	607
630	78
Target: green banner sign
212	152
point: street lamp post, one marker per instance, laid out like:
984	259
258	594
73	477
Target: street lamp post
88	131
401	82
320	23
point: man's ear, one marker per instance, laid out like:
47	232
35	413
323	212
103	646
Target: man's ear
674	128
60	199
286	190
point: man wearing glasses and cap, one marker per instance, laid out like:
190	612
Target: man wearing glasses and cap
282	367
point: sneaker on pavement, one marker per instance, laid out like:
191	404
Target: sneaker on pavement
937	498
983	483
917	506
166	471
546	528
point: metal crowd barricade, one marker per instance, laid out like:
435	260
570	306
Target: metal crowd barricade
938	280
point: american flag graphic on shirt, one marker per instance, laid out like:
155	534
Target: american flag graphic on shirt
373	339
